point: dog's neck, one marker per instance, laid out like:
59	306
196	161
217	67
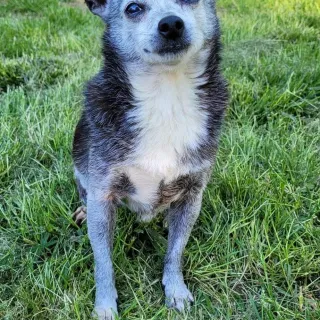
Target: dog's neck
167	114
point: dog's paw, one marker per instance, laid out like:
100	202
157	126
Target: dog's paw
80	215
104	313
178	296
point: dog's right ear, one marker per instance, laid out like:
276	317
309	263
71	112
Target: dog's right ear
98	7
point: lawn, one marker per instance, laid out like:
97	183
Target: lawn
255	251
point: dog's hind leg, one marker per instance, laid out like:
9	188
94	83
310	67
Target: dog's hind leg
80	215
181	219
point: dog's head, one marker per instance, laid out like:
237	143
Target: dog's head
157	31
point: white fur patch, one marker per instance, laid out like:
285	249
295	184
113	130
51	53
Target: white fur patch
146	185
170	121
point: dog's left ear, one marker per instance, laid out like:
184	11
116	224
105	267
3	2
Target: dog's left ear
98	7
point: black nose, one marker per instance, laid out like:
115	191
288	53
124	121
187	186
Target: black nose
171	27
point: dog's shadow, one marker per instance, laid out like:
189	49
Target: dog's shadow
144	238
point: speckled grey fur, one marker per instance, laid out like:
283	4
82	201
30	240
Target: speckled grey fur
109	153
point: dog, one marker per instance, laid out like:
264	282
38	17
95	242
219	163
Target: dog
149	131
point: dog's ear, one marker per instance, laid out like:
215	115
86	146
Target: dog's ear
98	7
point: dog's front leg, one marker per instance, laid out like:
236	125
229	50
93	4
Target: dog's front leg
181	219
101	216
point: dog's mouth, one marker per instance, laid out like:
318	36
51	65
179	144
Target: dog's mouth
173	49
169	52
170	48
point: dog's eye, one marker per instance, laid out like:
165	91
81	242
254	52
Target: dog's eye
133	9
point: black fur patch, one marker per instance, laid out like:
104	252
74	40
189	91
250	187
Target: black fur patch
213	97
184	186
122	186
92	4
103	126
81	144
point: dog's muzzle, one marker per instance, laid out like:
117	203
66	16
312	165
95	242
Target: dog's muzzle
171	27
172	36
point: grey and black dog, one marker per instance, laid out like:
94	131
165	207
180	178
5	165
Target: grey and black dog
150	128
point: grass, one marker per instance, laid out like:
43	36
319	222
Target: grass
255	252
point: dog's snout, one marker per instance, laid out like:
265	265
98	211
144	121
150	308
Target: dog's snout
171	27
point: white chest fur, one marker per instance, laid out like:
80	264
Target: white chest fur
169	119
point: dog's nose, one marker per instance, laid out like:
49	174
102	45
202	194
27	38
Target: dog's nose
171	27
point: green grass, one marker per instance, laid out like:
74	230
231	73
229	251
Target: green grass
255	252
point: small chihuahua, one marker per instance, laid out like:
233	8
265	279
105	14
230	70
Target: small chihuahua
150	128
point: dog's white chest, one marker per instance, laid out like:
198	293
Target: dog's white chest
169	119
